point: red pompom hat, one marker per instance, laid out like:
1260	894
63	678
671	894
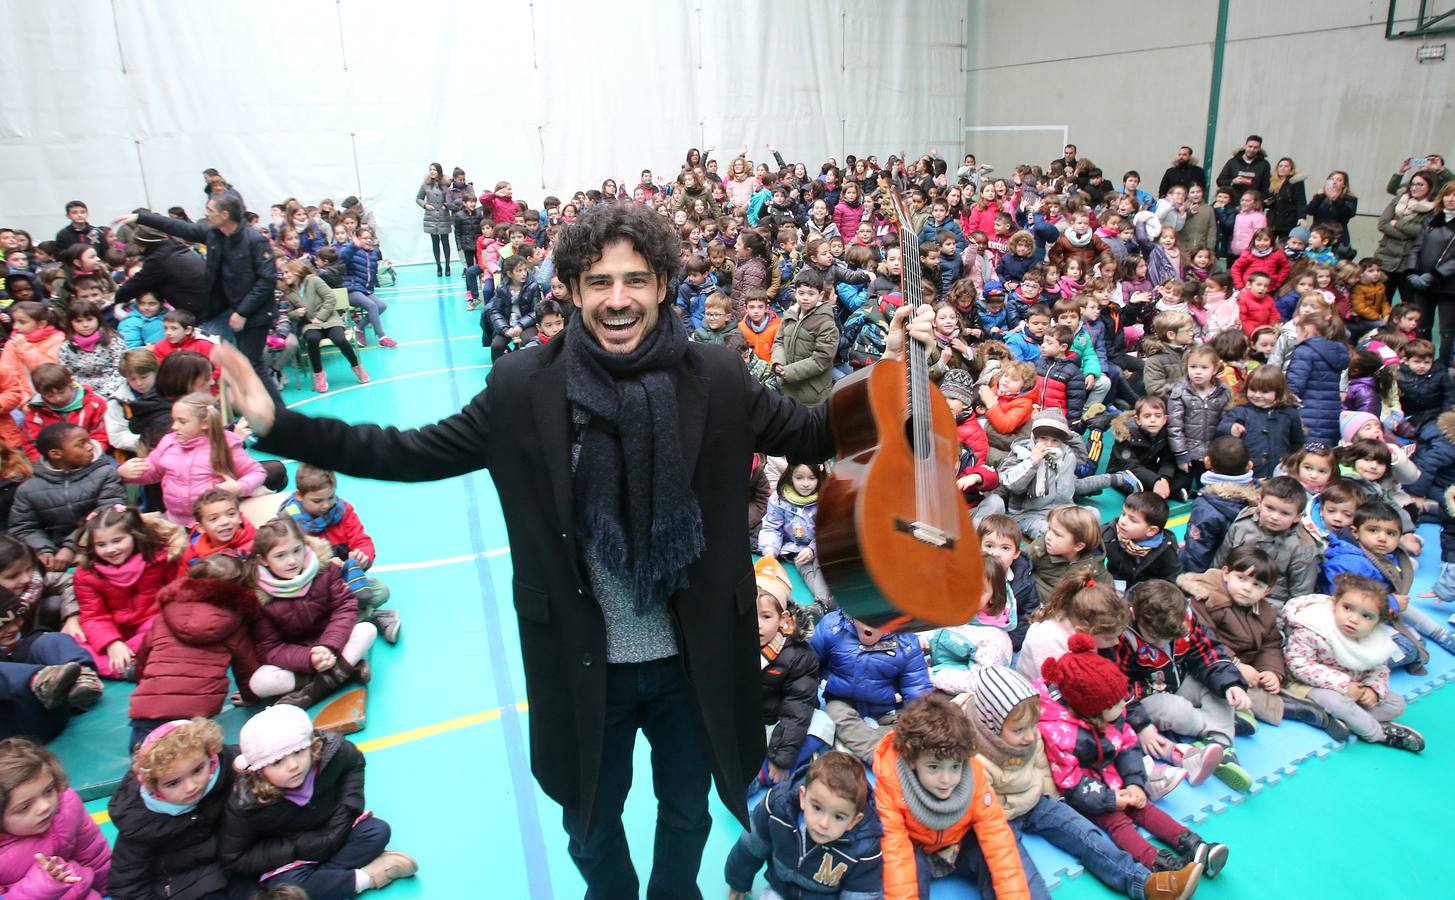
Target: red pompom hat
1090	683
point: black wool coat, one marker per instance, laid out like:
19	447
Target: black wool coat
520	424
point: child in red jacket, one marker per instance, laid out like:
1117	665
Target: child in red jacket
201	629
973	475
221	528
179	328
125	561
1262	256
60	399
316	507
1255	304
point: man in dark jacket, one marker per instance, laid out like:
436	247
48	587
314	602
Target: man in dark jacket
600	440
171	270
1183	171
1247	169
241	274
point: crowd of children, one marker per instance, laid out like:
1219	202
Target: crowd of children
1231	357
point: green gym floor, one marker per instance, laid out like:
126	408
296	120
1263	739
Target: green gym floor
445	740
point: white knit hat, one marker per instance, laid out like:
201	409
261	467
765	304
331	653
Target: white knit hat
997	691
271	735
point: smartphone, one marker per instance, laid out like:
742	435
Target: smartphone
1419	162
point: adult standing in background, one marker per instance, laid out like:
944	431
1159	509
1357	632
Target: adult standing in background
1247	169
1434	166
241	275
174	272
1067	161
437	224
1400	225
1184	171
1336	205
1430	272
1285	199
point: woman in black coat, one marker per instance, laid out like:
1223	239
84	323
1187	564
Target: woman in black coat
1430	272
1286	203
1335	205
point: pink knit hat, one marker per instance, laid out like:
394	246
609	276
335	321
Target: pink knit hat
271	735
1351	420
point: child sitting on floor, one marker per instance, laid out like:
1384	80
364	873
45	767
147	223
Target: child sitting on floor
1072	542
819	834
1229	603
797	727
1272	526
937	809
788	530
1331	513
1009	405
1195	406
1084	602
1040	474
167	810
1138	545
1182	682
221	528
954	650
320	512
1000	540
1005	711
49	846
1337	649
300	796
71	482
1097	763
125	561
869	674
1142	449
200	631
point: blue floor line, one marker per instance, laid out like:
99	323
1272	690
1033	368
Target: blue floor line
537	868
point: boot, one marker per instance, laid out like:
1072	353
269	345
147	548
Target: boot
439	271
1212	856
318	685
361	375
1167	861
390	866
52	684
86	692
362	672
1162	778
1403	737
1315	715
320	383
1178	885
447	268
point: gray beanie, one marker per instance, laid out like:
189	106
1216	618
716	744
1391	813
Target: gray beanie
958	385
997	691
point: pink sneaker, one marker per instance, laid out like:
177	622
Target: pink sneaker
1162	779
320	383
1199	762
360	374
388	342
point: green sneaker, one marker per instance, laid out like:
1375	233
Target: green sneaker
1232	774
1244	724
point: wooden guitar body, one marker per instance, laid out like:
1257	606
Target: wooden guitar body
886	562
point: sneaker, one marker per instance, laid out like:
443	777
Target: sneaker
388	342
1167	861
320	383
1403	737
387	621
1199	762
1244	725
390	866
361	375
86	692
1178	885
1232	774
1211	856
472	305
52	684
361	336
1162	778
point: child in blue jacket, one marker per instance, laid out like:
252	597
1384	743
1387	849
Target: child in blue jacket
869	673
142	327
819	833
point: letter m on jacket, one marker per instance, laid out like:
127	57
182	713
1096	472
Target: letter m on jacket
829	873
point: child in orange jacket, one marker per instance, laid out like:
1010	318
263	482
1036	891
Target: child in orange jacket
931	794
1009	403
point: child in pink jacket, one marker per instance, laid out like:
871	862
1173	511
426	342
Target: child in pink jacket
195	457
1249	220
49	849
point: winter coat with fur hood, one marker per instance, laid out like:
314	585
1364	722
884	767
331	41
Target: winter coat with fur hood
199	632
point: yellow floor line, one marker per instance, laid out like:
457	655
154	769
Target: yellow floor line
403	737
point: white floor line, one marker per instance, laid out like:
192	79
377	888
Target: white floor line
433	563
331	350
354	387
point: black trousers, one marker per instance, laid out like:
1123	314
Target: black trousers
313	340
251	342
656	699
440	243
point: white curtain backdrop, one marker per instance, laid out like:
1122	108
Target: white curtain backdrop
122	103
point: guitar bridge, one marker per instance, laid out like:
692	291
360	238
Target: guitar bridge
929	534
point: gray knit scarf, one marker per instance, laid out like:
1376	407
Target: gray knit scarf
649	535
929	810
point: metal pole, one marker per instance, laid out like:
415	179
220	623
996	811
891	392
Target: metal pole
116	29
1214	99
146	191
358	179
343	52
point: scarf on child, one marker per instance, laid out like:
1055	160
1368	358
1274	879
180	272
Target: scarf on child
1139	549
301	795
633	494
288	588
929	810
769	651
87	342
798	499
1260	253
1046	473
124	575
41	334
77	398
1353	656
240	546
312	524
158	805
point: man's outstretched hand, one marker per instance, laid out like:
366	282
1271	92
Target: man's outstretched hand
245	390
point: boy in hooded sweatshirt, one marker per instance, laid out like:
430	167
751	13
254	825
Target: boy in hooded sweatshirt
819	833
1005	713
937	808
1227	489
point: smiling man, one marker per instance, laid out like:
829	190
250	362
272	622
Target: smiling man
634	594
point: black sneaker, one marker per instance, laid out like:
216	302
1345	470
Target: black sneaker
86	692
1213	856
1403	737
1244	725
1167	861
